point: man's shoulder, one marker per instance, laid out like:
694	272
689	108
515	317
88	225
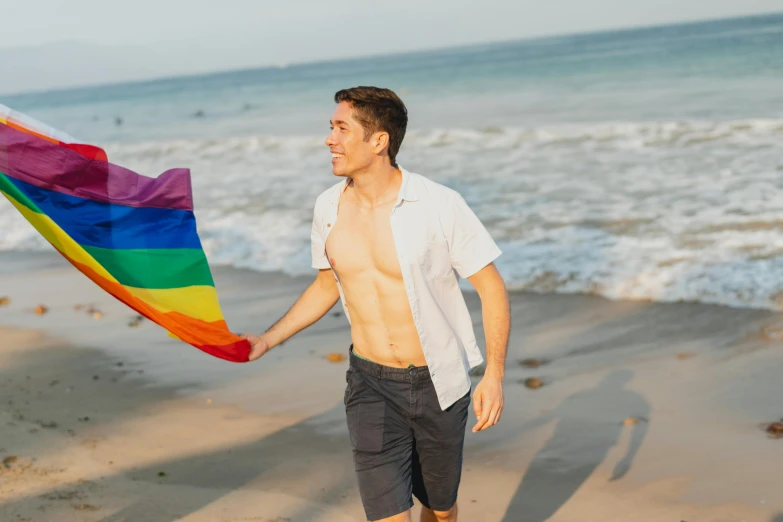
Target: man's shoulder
436	191
441	197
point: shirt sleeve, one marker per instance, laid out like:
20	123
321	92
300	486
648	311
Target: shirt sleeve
317	243
471	247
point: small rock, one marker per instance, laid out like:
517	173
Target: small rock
335	357
161	473
532	363
10	461
771	333
86	507
97	315
54	383
5	301
84	419
775	430
533	383
683	356
96	378
120	364
41	309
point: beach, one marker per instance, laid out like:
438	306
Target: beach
648	411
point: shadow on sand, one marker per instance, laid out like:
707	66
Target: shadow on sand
589	424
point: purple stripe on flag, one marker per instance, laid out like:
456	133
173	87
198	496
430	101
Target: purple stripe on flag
51	166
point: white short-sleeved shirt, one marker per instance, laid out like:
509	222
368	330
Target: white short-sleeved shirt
437	236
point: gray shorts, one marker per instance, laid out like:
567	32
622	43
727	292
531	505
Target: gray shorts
403	443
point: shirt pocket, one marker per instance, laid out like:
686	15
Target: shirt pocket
435	260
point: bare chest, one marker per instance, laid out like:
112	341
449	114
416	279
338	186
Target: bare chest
363	241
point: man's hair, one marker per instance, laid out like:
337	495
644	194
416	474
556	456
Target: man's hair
378	109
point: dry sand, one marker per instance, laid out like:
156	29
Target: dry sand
106	422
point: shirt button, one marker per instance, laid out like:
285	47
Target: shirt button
328	225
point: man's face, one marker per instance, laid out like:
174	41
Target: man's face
350	152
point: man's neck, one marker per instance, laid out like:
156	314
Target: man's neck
377	186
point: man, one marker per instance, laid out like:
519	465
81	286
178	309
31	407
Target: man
387	243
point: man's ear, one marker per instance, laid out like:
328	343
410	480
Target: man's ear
380	141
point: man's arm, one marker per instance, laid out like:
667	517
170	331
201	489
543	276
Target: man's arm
496	315
315	301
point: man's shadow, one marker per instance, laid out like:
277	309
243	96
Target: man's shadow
589	423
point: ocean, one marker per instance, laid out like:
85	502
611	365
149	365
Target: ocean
636	164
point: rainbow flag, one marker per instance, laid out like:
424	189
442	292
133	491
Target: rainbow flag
133	236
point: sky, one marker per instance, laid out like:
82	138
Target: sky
52	43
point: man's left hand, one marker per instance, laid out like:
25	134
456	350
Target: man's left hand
488	402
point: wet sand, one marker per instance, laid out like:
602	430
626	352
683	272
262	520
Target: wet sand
106	422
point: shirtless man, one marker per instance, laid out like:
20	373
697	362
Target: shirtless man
387	243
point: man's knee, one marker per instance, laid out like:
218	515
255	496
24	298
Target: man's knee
441	516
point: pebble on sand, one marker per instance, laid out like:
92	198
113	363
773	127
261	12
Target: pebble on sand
86	507
771	333
532	363
97	315
533	383
335	357
5	301
41	309
775	430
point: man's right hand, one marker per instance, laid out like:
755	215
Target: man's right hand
258	345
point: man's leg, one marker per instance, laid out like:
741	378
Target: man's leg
439	437
402	517
428	515
382	443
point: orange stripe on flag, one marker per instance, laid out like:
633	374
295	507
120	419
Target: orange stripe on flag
212	337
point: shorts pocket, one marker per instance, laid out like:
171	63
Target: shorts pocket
348	378
366	421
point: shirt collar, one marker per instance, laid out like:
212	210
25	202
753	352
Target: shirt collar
407	188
